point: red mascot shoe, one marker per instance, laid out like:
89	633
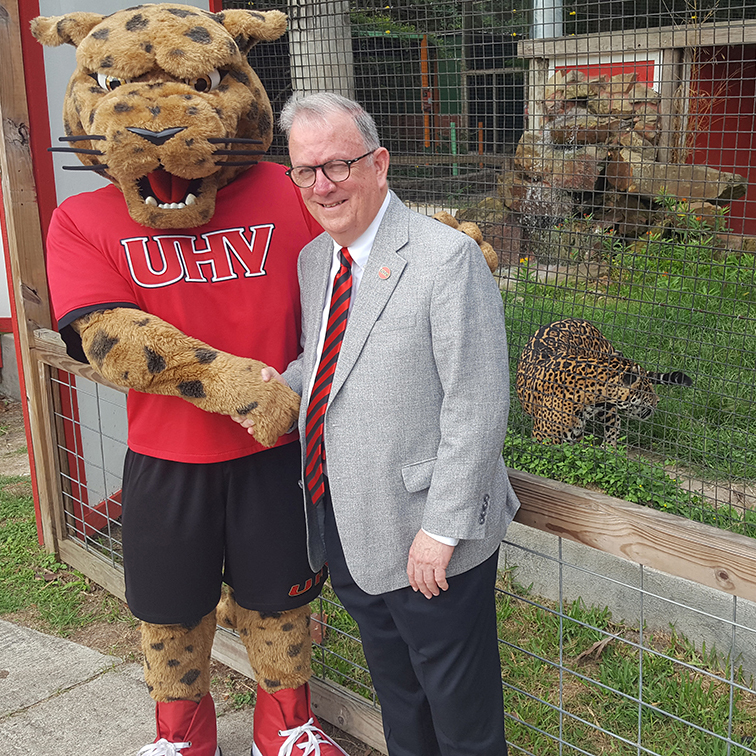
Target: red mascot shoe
284	725
185	728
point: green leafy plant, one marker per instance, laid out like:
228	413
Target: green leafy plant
616	473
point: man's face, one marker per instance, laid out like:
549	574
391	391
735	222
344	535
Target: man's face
344	209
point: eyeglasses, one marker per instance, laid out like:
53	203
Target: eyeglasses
337	171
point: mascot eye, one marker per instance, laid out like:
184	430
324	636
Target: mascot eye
108	82
206	82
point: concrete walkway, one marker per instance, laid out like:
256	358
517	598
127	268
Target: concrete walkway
58	698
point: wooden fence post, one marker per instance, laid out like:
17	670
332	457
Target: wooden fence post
27	266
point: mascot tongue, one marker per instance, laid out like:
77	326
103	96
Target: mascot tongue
166	187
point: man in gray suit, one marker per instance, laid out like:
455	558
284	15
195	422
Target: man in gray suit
405	385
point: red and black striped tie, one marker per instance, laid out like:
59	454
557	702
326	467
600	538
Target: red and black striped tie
321	389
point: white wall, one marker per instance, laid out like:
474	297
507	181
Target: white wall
5	308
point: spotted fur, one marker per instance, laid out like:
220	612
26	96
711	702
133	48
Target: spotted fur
160	89
143	352
177	659
278	644
569	373
167	106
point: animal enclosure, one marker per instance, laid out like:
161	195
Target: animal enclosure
606	151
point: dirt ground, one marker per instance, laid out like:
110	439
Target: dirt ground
13	457
121	638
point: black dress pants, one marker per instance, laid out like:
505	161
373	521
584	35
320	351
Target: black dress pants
434	662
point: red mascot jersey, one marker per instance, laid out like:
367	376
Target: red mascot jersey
231	283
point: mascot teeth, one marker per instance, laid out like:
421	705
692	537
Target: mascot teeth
166	191
190	199
174	93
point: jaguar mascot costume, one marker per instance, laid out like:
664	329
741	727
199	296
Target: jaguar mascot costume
169	280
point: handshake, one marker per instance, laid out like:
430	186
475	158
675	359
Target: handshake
275	413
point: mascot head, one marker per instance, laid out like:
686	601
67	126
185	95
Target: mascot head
164	104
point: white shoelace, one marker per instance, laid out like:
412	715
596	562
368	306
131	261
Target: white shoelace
163	747
314	738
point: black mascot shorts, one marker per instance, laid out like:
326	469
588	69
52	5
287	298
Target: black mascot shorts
189	527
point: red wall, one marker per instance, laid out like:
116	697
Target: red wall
643	69
726	95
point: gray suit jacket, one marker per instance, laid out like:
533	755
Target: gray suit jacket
418	408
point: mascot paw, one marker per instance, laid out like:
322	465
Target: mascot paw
274	409
474	232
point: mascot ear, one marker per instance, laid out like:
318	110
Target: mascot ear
69	29
250	27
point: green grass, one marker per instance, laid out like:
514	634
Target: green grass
50	595
596	686
671	301
618	473
601	689
340	658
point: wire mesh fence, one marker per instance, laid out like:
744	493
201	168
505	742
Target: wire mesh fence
598	655
91	445
652	666
604	149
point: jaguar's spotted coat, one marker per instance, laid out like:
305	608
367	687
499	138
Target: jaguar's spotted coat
569	373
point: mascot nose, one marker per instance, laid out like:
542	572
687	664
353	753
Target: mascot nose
157	138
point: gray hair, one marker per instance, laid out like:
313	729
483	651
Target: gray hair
317	107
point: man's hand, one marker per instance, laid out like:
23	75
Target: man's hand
267	374
426	566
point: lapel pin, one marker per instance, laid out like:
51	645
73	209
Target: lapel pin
384	273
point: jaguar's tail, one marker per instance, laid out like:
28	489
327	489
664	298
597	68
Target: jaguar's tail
671	379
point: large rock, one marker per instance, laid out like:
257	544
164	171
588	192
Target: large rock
539	200
629	214
597	155
580	126
575	170
630	170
